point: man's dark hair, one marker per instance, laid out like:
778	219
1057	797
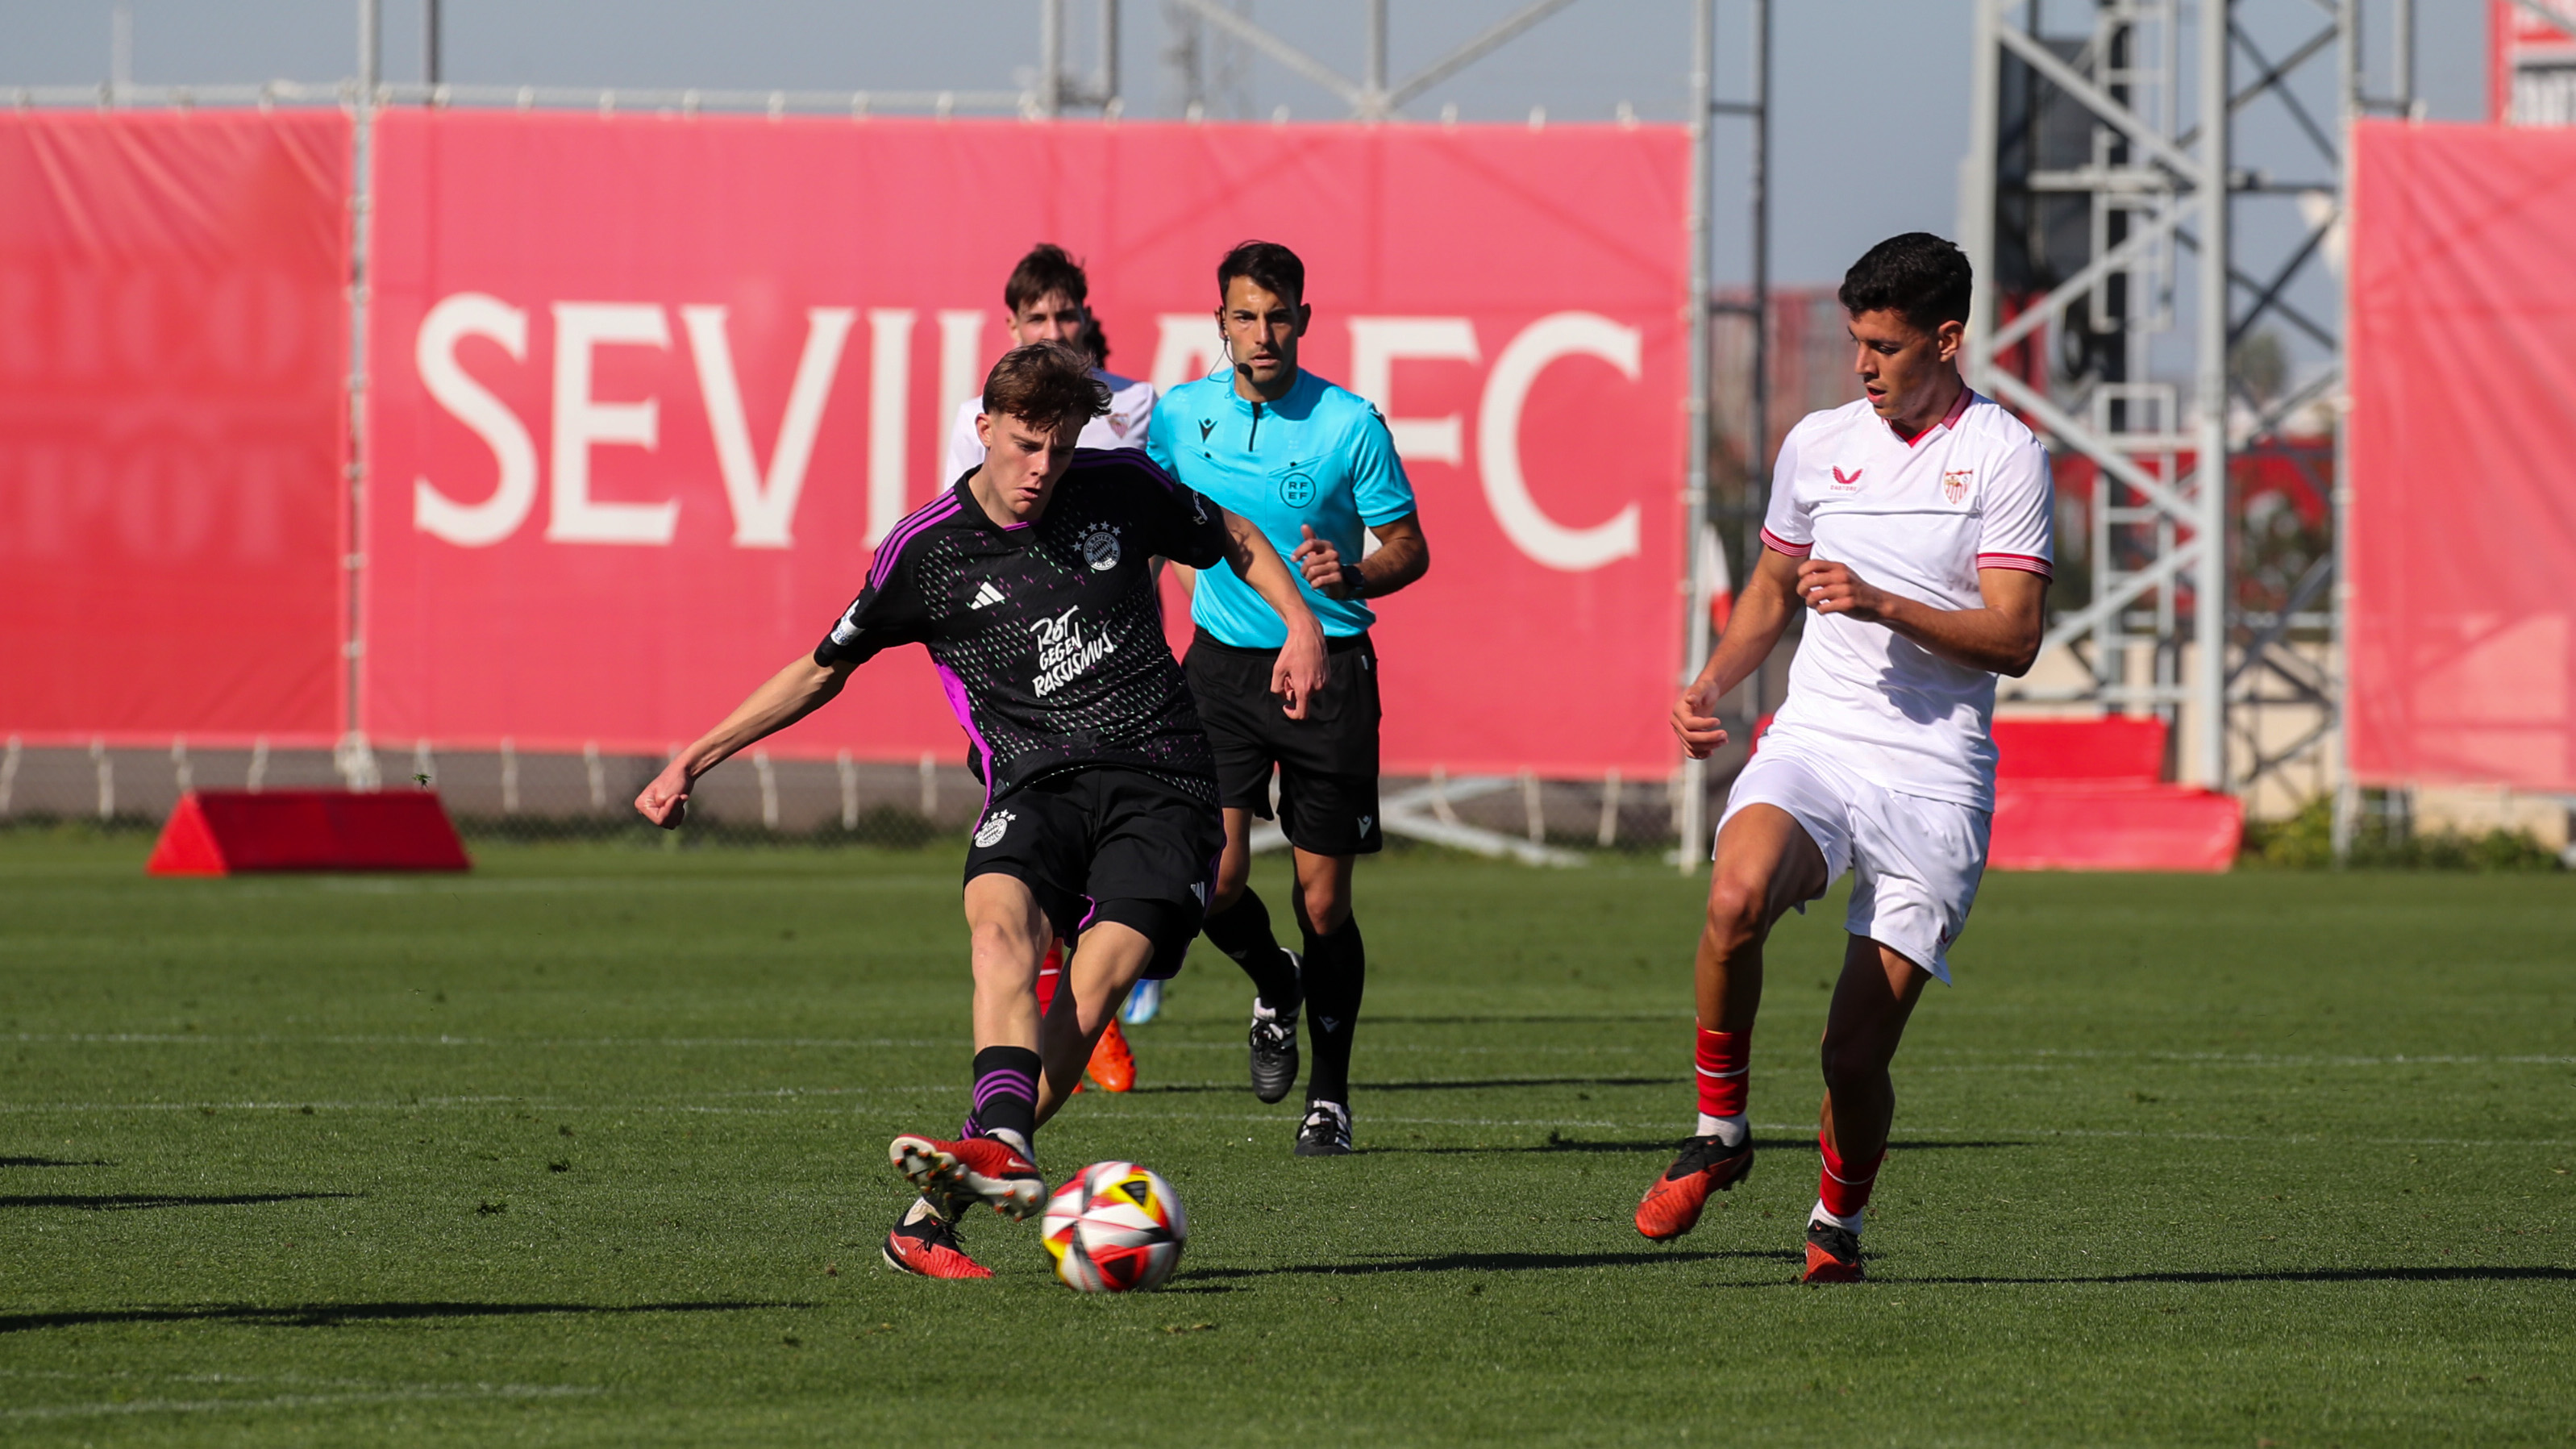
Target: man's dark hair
1042	384
1091	339
1272	267
1918	276
1047	268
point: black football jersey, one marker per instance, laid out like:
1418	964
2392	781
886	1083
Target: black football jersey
1048	635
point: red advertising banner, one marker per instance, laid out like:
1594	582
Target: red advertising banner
2463	516
647	389
173	346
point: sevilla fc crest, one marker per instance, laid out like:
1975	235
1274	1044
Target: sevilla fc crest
1954	486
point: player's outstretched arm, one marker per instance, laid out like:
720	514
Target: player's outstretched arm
2002	637
791	694
1761	612
1402	557
1300	671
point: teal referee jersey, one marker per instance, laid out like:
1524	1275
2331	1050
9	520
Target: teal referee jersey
1318	458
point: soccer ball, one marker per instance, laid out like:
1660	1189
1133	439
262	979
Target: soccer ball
1115	1228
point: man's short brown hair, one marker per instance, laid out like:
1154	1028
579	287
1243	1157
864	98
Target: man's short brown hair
1047	268
1044	384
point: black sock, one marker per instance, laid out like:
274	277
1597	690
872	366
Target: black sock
1336	974
1006	1093
1242	932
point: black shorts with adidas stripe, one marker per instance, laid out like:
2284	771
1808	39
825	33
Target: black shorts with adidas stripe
1079	837
1326	762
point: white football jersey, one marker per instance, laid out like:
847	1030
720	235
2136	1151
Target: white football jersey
1919	519
1131	406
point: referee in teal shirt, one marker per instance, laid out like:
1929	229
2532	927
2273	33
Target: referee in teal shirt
1310	465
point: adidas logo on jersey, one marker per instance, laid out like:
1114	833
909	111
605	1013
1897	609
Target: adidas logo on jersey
985	595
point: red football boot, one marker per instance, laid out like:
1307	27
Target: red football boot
1672	1206
1833	1254
926	1243
978	1169
1113	1062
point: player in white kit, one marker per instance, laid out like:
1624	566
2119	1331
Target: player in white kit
1050	301
1914	525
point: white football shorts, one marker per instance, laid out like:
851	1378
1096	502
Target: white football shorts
1916	861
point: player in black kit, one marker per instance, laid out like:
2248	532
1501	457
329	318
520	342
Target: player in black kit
1029	581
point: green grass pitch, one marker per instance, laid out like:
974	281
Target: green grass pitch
589	1148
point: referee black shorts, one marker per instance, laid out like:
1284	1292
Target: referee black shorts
1327	762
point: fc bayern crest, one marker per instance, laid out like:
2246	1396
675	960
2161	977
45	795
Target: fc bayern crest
1100	548
1954	485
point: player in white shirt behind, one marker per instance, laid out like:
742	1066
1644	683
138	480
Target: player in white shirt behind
1050	301
1914	525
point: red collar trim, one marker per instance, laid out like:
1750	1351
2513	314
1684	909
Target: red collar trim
1958	409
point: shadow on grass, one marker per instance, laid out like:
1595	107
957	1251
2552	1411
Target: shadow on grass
1441	1085
1474	1263
1666	1144
54	1162
334	1315
126	1202
2287	1275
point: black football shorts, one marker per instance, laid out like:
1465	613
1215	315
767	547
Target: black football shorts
1327	762
1081	839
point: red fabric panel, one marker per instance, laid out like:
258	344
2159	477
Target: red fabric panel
2463	516
173	341
221	832
2113	827
1556	257
2111	748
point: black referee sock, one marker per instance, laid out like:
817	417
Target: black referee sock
1242	932
1336	975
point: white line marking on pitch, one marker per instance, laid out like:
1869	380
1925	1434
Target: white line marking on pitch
292	1401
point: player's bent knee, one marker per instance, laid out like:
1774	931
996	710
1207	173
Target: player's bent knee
1738	909
1168	925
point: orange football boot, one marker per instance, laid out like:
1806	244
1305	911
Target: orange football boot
1833	1255
1672	1206
1113	1062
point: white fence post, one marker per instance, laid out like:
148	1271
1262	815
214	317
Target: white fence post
768	789
598	775
509	776
106	777
179	766
1609	832
849	791
8	774
1534	807
930	785
258	776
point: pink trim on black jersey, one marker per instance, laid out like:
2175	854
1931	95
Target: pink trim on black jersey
2026	563
1777	544
913	526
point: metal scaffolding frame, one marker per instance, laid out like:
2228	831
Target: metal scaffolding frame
2133	181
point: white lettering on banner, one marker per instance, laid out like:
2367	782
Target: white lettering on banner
583	422
1377	344
1498	441
961	376
1186	348
1064	653
889	402
475	525
764	508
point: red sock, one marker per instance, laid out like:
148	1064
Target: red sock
1723	1058
1050	971
1844	1187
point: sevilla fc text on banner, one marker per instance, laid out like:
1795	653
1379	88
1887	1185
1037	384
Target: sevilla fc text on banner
647	392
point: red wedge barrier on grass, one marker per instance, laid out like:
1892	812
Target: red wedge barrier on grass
2089	794
223	832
